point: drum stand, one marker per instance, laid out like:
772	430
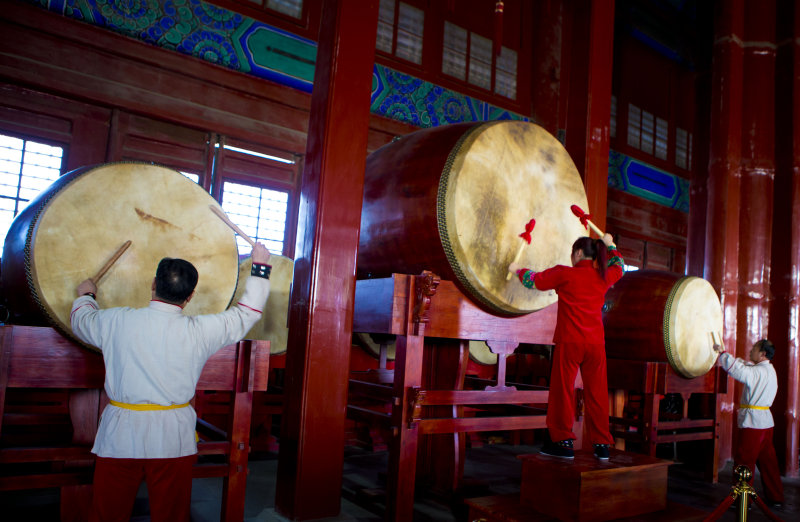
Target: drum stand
34	358
641	423
415	308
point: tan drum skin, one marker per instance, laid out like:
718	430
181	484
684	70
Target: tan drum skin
67	233
273	326
454	200
661	316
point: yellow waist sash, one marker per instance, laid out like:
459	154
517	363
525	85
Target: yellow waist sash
751	407
146	407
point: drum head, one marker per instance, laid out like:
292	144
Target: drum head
480	352
692	312
162	212
498	177
366	341
274	323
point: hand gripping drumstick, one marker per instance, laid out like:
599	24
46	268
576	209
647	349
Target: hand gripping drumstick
221	214
526	236
585	221
121	250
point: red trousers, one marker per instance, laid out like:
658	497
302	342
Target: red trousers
591	359
116	482
755	447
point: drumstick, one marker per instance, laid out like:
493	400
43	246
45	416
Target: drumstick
526	237
121	250
221	214
585	221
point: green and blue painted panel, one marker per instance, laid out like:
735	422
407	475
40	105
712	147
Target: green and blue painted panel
648	182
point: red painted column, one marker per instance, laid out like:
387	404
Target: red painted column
546	80
785	273
590	99
722	223
792	409
310	460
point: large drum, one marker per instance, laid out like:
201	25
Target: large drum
651	315
274	323
71	229
454	199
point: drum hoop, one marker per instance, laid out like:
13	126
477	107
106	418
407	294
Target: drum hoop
672	357
441	198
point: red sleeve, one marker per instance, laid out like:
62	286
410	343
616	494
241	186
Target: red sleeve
550	279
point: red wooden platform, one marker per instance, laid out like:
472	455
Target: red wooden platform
33	358
586	488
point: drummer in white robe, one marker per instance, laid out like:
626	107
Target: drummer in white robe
153	358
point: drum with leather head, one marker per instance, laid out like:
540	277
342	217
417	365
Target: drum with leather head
273	325
454	200
74	226
651	315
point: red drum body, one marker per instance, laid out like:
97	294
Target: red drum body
661	316
454	199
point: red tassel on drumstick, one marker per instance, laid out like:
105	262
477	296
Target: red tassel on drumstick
585	221
526	236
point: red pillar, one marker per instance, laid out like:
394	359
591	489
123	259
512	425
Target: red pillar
722	224
590	99
785	278
311	455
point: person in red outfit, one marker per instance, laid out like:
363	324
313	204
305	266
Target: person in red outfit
579	341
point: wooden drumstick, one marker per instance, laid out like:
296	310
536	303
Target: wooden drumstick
584	217
526	237
224	217
121	250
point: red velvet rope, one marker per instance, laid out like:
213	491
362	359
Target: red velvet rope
765	509
722	508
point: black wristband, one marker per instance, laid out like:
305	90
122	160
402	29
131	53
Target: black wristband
260	270
90	294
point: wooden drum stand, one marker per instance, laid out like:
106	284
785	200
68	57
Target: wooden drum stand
38	358
418	307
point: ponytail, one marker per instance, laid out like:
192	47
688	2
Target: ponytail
595	250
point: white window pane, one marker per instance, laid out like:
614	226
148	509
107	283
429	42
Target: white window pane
385	26
689	161
681	148
634	126
480	61
409	33
505	85
26	168
259	212
648	125
662	137
293	8
193	177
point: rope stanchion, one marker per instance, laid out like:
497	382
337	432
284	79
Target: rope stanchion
743	491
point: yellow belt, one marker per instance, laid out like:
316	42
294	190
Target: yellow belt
751	407
146	407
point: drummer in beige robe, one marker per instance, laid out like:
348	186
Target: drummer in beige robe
153	358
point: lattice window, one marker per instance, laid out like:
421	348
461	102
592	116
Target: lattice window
648	124
293	8
681	148
662	133
454	54
634	126
259	212
26	169
400	29
480	61
505	75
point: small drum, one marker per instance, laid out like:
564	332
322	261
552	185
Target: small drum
273	326
71	229
454	200
651	315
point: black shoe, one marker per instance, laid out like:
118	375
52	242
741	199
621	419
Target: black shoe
561	449
601	451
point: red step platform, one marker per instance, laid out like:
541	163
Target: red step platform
588	489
